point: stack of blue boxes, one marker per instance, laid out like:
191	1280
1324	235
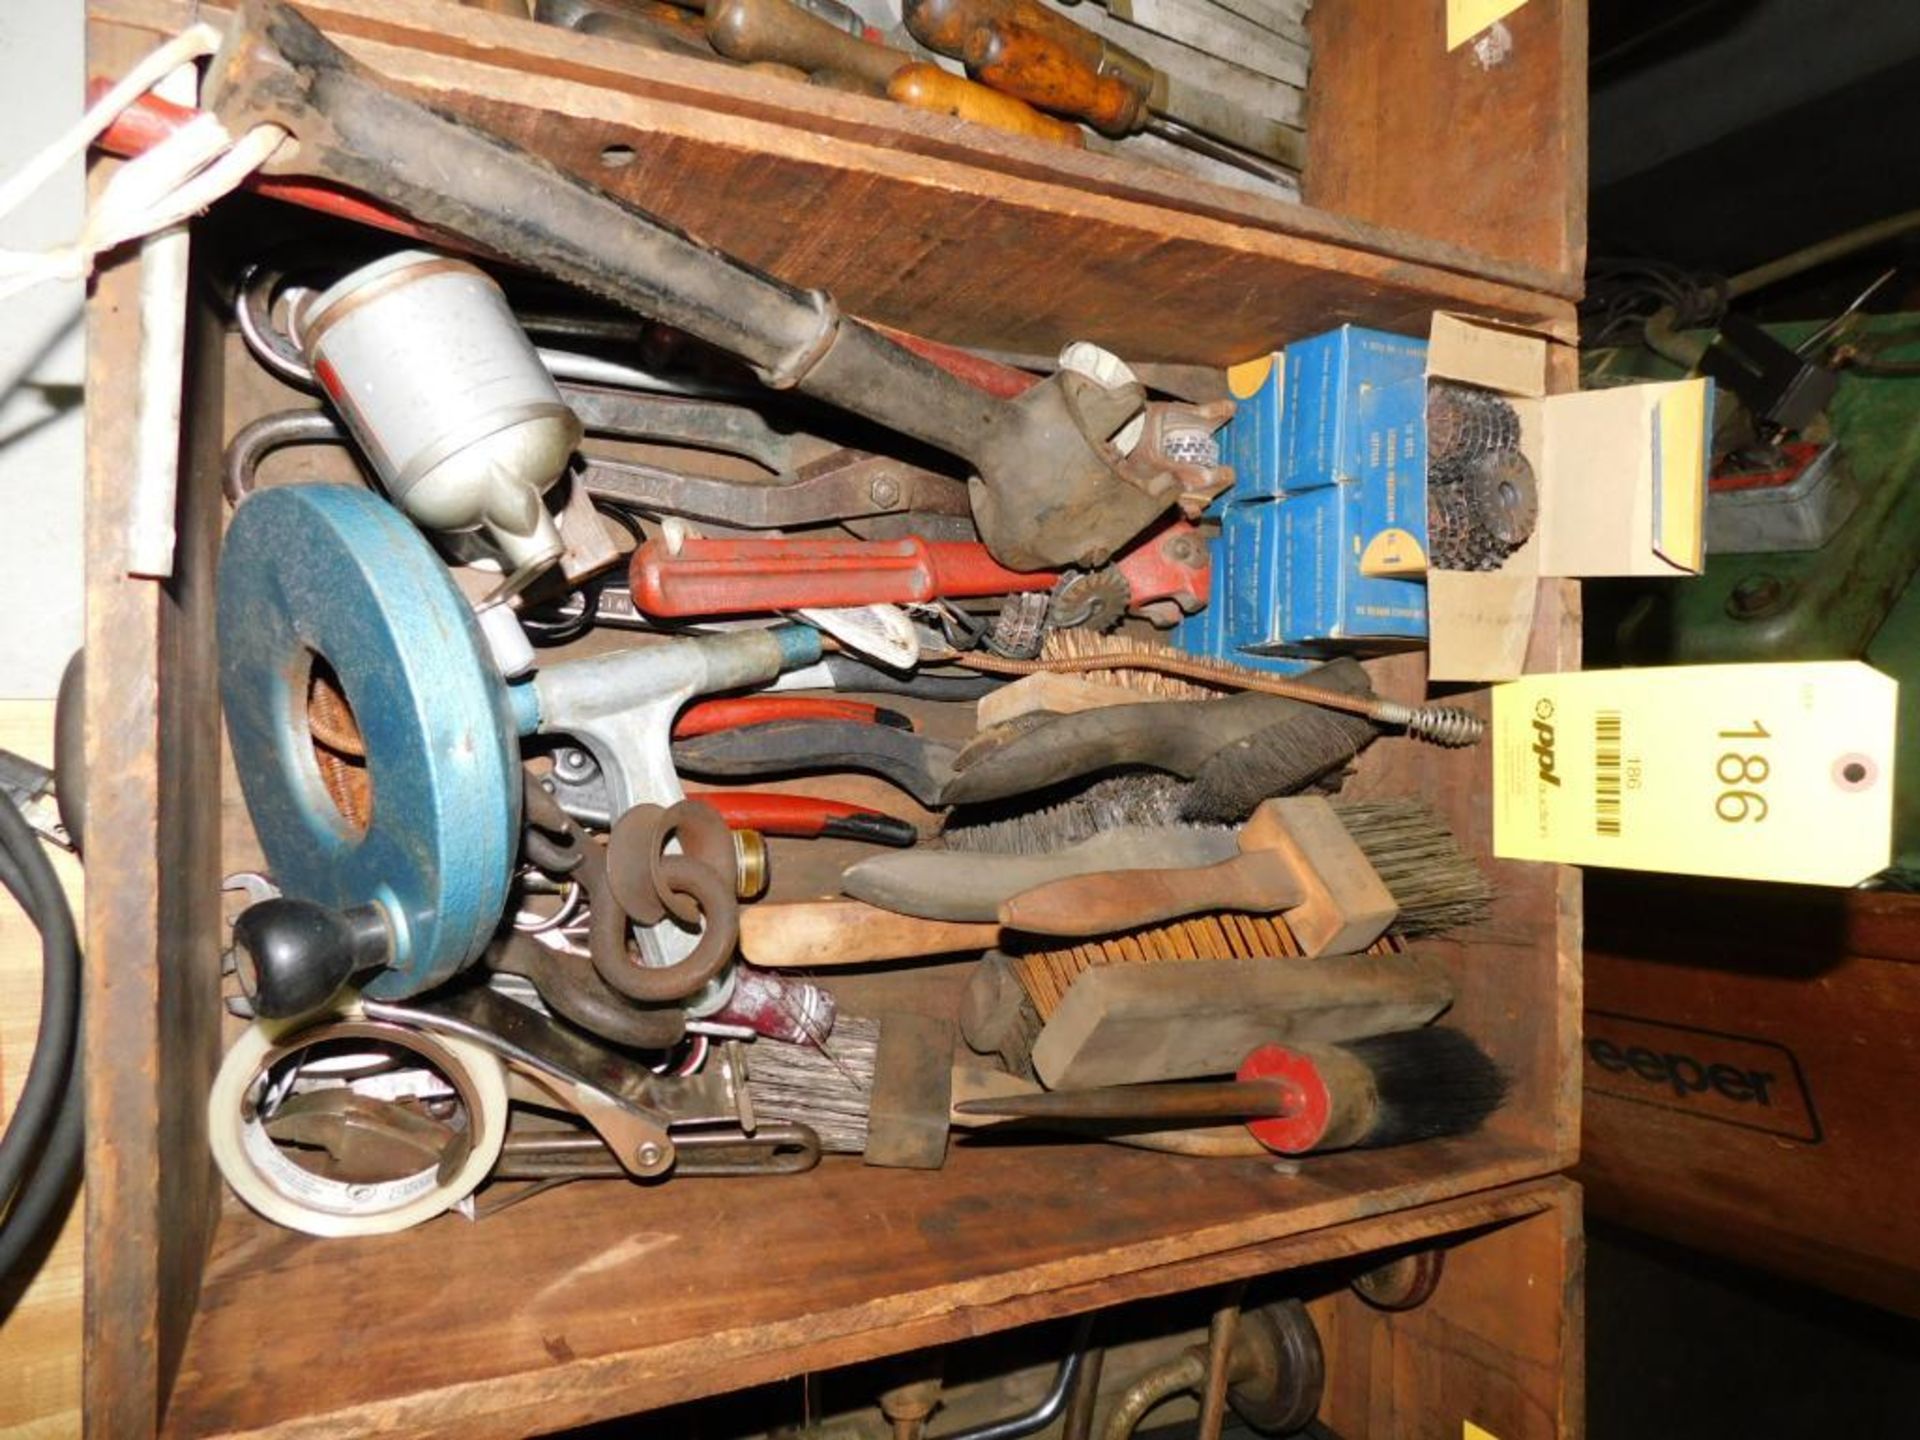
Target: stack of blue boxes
1323	536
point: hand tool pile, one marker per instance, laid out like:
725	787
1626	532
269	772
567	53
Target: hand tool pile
1216	88
498	939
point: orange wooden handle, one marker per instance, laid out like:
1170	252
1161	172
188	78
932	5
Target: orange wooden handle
805	934
945	25
928	87
1038	69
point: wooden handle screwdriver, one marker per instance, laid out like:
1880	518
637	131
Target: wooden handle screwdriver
750	30
1046	59
1037	68
928	87
945	25
779	31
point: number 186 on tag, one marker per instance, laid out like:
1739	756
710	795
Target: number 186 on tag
1764	772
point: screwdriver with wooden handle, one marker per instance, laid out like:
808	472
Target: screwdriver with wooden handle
1027	50
778	31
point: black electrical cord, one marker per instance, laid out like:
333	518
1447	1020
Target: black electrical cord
40	1150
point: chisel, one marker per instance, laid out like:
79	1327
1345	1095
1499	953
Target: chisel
779	31
1042	57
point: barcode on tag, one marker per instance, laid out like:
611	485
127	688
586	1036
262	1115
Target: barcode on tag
1606	772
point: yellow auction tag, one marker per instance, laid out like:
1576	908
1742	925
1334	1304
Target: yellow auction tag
1756	772
1467	18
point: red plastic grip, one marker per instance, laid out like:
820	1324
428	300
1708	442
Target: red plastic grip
704	717
803	816
1300	1132
746	577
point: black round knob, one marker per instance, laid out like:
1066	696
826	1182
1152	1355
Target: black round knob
296	955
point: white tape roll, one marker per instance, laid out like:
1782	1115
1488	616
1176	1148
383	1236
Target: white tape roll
276	1187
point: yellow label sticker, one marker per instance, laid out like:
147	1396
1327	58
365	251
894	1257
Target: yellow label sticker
1471	1431
1467	18
1757	772
1392	552
1245	379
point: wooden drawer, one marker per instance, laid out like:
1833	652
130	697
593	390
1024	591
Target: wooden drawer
601	1300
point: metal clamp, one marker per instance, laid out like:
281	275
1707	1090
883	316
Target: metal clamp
629	1106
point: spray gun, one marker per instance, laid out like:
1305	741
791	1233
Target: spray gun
398	872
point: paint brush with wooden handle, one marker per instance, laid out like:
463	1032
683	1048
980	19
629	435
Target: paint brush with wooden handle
1302	1099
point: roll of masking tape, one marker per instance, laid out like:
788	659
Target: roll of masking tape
280	1189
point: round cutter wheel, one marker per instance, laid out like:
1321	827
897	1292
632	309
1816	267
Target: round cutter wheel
332	580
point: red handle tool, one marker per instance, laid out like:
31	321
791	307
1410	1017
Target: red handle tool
808	817
747	577
704	717
740	577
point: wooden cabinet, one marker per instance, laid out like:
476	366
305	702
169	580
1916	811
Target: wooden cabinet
1744	1045
1439	184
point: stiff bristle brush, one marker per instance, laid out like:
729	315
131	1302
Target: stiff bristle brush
1302	1099
826	1084
1436	884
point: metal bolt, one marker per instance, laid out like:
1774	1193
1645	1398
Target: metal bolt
1754	596
572	764
650	1155
885	490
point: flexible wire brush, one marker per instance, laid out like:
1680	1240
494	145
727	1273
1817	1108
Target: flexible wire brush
1238	750
1446	725
1435	882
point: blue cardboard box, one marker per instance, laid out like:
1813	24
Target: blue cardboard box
1250	441
1343	391
1390	488
1205	632
1297	583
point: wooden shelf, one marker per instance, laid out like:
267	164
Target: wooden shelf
603	1299
959	232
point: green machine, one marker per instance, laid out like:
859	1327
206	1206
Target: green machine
1853	596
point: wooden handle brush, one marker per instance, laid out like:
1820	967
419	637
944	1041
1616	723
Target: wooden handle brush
805	934
1295	856
1299	1100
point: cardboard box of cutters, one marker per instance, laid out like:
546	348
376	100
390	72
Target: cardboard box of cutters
1621	476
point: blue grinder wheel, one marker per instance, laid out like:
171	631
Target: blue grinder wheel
335	572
